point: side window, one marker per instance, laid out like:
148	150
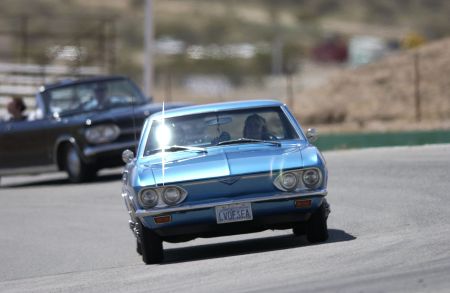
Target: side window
87	96
121	93
62	99
274	124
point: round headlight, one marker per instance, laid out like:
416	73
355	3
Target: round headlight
311	178
288	181
149	198
171	195
102	133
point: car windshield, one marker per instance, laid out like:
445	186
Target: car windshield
258	125
91	96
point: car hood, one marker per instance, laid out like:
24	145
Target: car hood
219	162
139	111
118	114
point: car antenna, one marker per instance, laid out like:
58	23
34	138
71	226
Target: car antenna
134	124
163	149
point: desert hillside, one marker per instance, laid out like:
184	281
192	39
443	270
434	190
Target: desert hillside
384	92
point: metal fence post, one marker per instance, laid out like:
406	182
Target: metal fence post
417	97
24	39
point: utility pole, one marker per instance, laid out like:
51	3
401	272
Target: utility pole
417	96
277	55
290	90
148	54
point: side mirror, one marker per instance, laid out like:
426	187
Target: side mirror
127	156
311	135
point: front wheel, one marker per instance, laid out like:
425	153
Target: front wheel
151	246
77	170
299	229
317	230
138	247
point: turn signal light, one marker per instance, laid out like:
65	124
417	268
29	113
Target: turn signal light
162	219
303	203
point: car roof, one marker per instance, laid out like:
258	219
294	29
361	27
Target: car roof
218	107
69	82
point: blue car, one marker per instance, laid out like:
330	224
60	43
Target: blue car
223	169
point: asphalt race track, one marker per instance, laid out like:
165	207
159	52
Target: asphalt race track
389	231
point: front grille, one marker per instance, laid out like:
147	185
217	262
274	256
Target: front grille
224	187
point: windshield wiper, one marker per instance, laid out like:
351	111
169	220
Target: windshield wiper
248	140
176	148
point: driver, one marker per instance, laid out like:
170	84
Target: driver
100	95
256	128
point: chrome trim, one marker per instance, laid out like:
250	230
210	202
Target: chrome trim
129	205
160	192
183	194
294	123
112	126
312	135
281	196
133	224
217	179
318	182
125	176
278	180
127	156
301	186
135	228
230	180
154	204
143	138
94	150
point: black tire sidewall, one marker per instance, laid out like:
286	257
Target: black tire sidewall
84	172
151	246
317	229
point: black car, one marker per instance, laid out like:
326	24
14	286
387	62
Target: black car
78	126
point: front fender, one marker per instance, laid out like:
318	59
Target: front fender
312	157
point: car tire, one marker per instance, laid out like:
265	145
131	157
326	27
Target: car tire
77	170
138	247
299	229
317	230
151	247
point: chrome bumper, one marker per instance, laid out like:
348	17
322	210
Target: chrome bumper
281	196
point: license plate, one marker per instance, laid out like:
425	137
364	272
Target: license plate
234	213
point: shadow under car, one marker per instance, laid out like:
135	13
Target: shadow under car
250	246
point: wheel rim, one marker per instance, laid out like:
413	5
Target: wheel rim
73	162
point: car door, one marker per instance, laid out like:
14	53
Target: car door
24	147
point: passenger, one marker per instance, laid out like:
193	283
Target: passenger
16	108
179	136
255	127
